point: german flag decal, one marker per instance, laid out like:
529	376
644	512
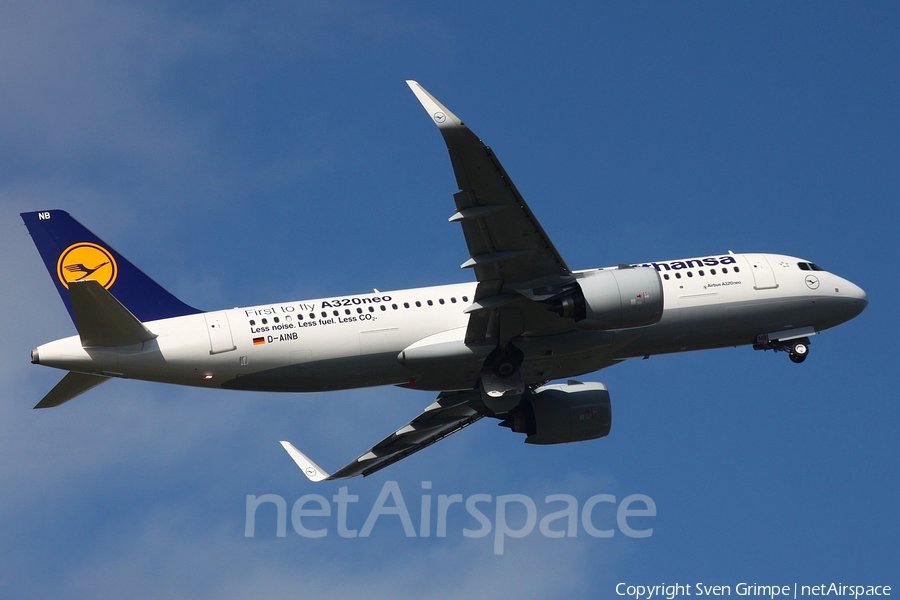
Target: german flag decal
259	341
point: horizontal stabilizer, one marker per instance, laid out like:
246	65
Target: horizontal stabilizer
73	384
101	320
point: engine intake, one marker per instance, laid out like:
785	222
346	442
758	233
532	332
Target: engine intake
561	413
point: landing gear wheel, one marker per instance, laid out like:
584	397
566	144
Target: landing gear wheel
798	352
501	380
505	362
505	367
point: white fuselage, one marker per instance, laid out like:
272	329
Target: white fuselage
354	341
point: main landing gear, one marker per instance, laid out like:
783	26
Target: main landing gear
501	380
797	349
505	362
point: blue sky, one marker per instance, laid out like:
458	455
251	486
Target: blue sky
248	153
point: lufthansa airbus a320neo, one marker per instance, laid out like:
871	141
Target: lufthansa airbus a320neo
490	347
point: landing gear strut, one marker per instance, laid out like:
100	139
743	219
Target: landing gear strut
797	349
501	380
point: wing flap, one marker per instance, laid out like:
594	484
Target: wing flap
448	414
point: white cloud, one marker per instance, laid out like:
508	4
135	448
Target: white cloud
166	557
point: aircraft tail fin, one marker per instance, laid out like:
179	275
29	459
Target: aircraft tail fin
73	384
72	253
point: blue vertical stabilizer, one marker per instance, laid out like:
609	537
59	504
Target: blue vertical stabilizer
71	253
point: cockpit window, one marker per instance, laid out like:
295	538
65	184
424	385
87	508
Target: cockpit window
807	266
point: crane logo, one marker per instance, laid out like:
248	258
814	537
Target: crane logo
85	260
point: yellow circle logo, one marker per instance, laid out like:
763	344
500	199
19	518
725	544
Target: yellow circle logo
85	260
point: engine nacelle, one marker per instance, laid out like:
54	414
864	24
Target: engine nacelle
561	413
614	299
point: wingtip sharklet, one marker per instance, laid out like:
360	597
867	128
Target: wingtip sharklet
439	113
312	471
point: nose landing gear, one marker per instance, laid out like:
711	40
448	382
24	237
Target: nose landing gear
797	349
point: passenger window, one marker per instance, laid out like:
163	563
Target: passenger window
418	304
737	270
406	305
252	322
264	321
275	319
724	269
666	276
359	310
700	272
465	299
441	300
452	300
712	271
690	274
430	303
677	275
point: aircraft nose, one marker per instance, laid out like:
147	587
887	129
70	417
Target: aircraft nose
858	294
857	299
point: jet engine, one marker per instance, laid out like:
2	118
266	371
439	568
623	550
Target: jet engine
613	299
561	413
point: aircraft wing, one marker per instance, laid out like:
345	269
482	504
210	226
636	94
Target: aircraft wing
448	414
516	266
511	254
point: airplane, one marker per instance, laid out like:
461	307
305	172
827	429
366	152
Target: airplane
490	347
